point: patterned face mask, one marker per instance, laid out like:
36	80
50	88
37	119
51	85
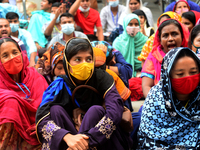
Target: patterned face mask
132	31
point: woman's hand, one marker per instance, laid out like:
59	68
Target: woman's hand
32	129
77	142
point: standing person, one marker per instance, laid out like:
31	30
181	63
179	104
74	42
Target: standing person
170	114
110	15
21	91
87	18
130	43
67	27
38	19
131	6
146	29
100	127
170	34
22	35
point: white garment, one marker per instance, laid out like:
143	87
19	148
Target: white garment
106	17
146	10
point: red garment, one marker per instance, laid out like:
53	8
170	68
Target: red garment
197	15
14	108
88	23
135	85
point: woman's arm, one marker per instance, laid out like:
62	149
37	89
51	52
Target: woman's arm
147	83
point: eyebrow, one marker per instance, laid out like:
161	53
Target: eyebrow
183	69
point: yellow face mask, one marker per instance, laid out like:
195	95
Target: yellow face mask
82	71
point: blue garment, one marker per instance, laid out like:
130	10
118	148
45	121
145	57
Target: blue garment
6	7
165	122
38	19
193	6
29	44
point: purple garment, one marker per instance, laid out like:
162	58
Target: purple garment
193	6
100	125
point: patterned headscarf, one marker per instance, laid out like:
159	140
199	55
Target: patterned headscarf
171	14
46	64
165	122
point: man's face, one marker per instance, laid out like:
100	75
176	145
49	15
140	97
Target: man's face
45	5
85	4
5	30
65	20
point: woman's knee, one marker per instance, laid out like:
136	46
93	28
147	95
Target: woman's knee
96	109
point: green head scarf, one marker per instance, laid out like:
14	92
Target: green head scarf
130	47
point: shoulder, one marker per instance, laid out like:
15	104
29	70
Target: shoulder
121	7
93	11
80	34
105	9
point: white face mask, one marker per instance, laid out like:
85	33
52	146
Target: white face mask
52	16
114	3
67	28
84	10
132	31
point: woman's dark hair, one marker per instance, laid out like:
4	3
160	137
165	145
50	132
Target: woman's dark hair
75	45
164	16
139	12
7	39
193	34
12	15
185	52
138	1
190	16
168	22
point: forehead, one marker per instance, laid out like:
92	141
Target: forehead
7	46
134	21
133	1
4	22
54	8
170	28
181	4
85	0
66	18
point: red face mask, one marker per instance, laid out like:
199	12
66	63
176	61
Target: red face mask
14	65
185	85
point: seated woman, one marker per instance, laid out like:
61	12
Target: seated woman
190	18
146	29
131	6
130	43
147	48
100	127
181	6
21	91
170	115
116	62
170	34
194	39
50	65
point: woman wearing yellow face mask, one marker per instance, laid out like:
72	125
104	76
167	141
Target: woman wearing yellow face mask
100	127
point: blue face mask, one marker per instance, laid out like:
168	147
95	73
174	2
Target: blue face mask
114	3
197	50
52	16
67	28
14	27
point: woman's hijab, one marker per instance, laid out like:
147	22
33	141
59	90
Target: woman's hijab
165	122
130	47
128	11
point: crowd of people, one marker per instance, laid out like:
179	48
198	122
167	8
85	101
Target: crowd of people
69	76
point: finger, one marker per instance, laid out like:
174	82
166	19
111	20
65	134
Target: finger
85	136
85	142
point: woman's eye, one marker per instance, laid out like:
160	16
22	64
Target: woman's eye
179	74
77	59
89	59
